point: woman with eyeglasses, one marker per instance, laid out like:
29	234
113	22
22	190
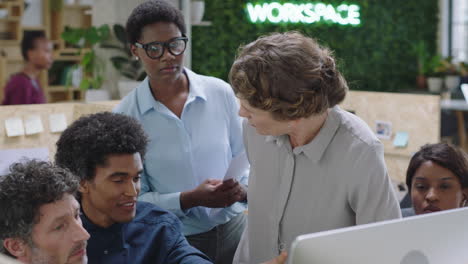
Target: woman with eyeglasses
194	133
437	179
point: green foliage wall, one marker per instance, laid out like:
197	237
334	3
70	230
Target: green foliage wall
376	56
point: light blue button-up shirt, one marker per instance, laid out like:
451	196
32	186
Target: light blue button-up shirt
184	152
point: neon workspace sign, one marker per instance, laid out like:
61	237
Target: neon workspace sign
307	13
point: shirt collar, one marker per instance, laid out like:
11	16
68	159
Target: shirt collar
278	140
196	86
146	100
116	229
315	149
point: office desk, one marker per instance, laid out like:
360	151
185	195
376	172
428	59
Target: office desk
458	106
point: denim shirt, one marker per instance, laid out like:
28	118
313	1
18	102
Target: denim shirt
153	236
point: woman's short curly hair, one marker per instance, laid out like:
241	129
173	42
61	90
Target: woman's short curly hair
444	155
151	12
28	186
289	75
89	141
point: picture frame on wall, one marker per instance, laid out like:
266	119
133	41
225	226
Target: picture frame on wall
33	14
383	129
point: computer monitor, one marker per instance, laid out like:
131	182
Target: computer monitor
436	238
464	88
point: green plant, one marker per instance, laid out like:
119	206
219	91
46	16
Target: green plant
124	62
463	69
420	50
435	67
85	40
431	66
450	68
376	56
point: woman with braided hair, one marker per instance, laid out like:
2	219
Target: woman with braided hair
314	166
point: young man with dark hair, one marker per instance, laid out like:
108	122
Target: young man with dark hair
24	87
39	215
105	151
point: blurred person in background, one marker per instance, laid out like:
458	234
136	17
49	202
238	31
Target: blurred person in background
24	87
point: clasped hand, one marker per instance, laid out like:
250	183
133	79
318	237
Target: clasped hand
217	194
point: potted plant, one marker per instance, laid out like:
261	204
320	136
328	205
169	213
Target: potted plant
90	66
464	72
124	62
452	74
435	74
419	49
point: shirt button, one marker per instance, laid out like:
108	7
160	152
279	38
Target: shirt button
105	252
281	247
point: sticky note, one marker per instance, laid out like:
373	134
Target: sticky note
383	129
57	123
401	139
14	127
33	125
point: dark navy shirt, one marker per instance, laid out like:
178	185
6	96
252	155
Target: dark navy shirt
153	236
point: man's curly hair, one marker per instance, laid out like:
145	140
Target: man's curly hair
28	186
151	12
88	142
289	75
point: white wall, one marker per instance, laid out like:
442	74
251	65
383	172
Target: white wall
443	28
460	30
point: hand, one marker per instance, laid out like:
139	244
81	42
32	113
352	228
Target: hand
225	194
213	194
201	195
281	259
234	189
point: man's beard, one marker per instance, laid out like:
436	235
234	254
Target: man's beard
39	257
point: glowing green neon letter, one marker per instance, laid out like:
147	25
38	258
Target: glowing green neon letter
308	13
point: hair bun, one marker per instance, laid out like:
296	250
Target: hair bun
328	69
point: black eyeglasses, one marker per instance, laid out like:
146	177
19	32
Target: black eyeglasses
155	50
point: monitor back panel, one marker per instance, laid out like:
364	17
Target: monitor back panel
437	238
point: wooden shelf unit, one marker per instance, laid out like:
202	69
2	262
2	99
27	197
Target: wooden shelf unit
75	16
54	23
11	34
10	25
